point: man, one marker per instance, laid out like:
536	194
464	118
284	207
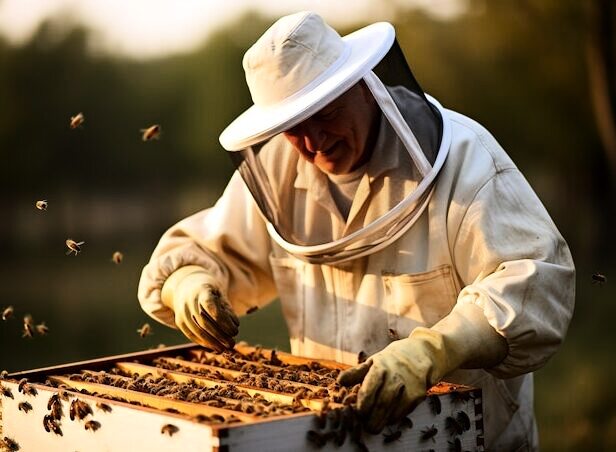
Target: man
385	224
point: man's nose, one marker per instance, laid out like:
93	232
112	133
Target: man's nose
311	135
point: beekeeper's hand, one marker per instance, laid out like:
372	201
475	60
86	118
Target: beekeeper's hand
201	310
396	378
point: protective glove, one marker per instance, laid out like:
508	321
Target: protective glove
201	311
396	378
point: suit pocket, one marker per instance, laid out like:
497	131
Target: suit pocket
418	299
287	274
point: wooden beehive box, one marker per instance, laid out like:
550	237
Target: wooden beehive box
186	398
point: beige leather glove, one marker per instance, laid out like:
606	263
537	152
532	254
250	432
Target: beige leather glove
201	311
396	378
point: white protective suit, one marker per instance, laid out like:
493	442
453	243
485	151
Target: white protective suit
485	238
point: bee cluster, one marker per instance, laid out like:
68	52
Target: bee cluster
236	388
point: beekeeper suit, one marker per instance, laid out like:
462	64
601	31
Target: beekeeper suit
385	223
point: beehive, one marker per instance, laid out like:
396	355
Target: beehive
187	398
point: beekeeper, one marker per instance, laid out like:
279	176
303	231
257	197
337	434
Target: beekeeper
384	222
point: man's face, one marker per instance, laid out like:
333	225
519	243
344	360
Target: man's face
339	138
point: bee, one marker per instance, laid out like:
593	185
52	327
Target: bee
56	410
103	407
598	278
51	425
145	330
316	438
41	205
251	310
169	429
463	420
92	425
42	329
453	427
405	422
24	406
429	433
10	444
28	330
6	392
393	334
361	357
77	120
151	133
4	374
392	436
460	397
22	384
435	404
79	409
117	257
7	313
73	246
455	445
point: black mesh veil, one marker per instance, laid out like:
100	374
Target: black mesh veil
271	169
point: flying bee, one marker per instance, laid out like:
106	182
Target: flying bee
41	205
10	444
7	313
151	133
598	278
169	429
28	330
145	330
117	257
4	374
42	329
429	433
24	406
77	120
73	246
92	425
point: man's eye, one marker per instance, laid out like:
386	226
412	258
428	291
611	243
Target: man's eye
327	116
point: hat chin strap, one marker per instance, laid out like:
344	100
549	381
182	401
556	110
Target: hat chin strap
388	228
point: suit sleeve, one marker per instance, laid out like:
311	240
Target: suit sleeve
518	269
229	240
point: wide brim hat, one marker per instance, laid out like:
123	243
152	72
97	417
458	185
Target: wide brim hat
296	68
